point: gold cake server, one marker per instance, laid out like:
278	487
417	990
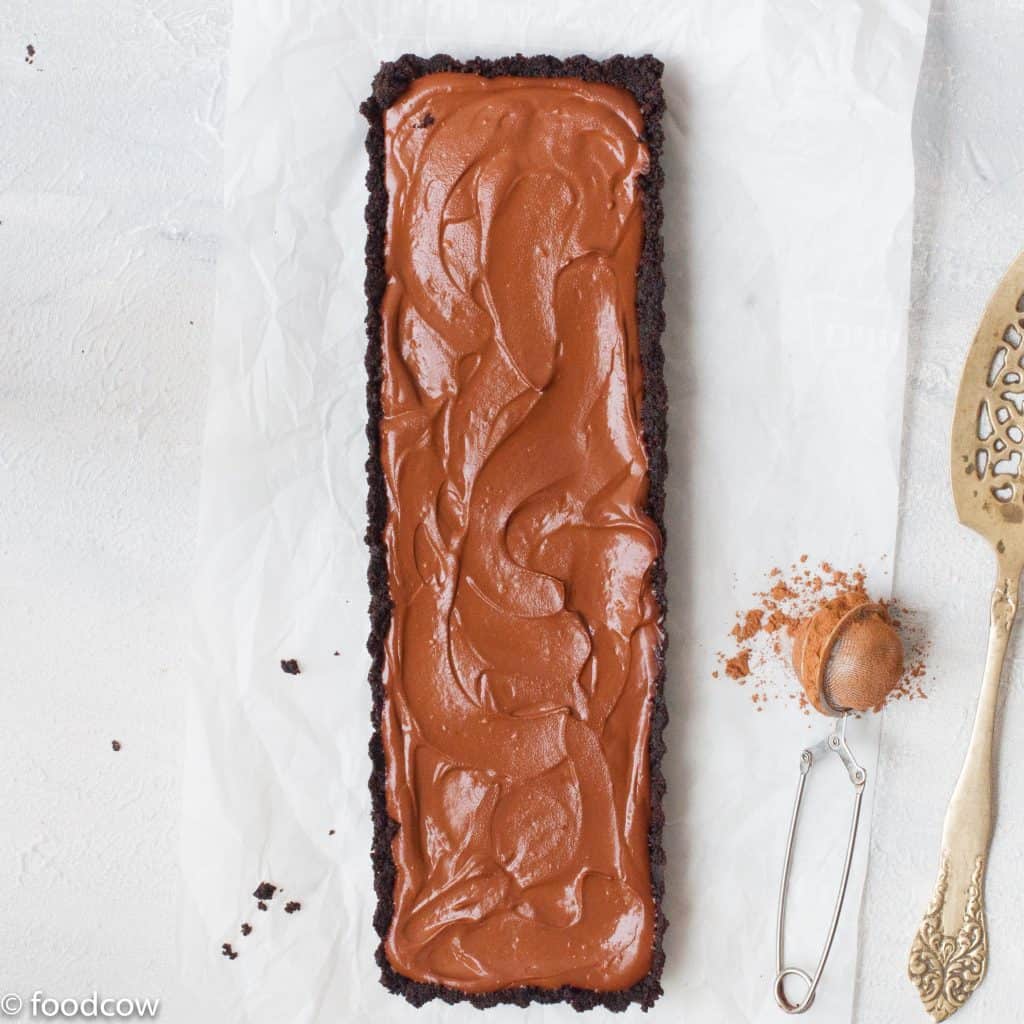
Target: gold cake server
950	950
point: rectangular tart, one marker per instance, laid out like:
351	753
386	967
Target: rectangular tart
517	465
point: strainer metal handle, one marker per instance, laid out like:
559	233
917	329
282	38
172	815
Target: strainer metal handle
834	743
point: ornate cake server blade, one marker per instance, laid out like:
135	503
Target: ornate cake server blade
950	950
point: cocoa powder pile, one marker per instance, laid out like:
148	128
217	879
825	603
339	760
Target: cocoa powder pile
760	641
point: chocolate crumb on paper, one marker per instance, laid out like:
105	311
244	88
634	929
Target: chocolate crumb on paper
115	745
30	54
290	666
758	651
292	906
264	891
227	951
246	928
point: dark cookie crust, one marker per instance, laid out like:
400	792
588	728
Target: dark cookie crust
640	76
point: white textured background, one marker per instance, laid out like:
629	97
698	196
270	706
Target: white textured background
110	199
969	227
109	224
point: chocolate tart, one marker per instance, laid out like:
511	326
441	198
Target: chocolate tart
516	521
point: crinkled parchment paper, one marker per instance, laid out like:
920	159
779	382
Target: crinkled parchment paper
787	246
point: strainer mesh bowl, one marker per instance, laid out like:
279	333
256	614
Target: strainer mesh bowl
865	661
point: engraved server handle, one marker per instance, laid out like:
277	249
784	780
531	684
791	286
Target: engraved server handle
950	950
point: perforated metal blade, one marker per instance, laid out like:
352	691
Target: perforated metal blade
949	953
988	426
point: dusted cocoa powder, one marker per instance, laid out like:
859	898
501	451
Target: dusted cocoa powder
738	666
758	652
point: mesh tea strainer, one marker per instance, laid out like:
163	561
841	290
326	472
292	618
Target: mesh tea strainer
848	656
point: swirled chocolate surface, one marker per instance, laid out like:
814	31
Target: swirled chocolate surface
523	643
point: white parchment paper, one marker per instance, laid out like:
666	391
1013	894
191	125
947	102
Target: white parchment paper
788	207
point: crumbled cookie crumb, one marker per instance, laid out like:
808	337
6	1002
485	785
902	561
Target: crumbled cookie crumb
227	951
246	928
265	891
291	666
115	745
291	907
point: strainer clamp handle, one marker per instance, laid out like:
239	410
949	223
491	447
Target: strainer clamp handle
834	743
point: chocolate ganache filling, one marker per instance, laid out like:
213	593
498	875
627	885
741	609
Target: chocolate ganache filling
522	652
